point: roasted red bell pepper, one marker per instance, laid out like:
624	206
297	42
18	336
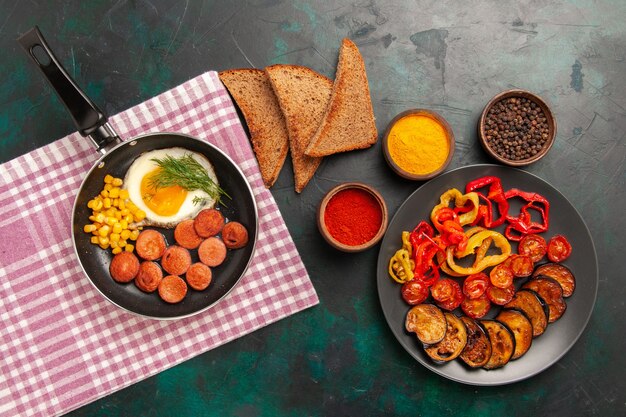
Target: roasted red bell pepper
424	251
495	194
523	223
442	215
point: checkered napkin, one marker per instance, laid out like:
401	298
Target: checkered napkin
63	345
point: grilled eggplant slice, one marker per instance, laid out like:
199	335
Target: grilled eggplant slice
521	327
427	322
452	344
534	307
477	351
502	343
552	293
559	273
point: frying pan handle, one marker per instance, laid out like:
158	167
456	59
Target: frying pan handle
88	118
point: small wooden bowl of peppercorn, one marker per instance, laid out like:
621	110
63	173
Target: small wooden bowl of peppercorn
517	128
352	217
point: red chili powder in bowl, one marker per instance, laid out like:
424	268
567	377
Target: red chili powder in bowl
353	216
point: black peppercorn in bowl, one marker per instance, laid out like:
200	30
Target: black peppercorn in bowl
517	128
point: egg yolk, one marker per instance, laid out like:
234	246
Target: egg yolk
164	201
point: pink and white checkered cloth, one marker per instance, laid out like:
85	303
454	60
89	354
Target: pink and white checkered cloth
63	345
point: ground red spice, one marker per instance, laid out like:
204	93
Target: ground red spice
353	216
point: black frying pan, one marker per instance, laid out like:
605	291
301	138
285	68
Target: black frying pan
117	157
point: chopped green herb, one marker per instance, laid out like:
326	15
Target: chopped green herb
187	173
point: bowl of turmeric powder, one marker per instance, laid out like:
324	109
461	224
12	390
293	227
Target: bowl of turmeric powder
418	144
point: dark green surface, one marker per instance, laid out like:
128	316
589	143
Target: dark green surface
340	358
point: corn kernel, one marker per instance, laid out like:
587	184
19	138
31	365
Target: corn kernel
104	193
121	204
100	218
88	228
124	224
117	228
104	246
140	215
115	237
108	179
125	212
117	182
129	248
113	244
107	203
108	187
122	243
97	205
104	231
134	234
125	234
128	218
118	215
104	240
123	194
111	220
114	193
117	250
94	240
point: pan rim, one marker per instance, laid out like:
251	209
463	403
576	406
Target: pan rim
129	142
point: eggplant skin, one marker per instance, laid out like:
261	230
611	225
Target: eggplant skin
559	273
535	308
552	293
477	351
502	344
427	322
521	327
452	344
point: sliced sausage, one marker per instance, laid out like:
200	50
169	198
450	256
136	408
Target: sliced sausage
208	222
124	267
172	289
199	276
186	236
150	245
235	235
212	251
149	276
176	260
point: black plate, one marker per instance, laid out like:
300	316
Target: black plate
95	261
559	337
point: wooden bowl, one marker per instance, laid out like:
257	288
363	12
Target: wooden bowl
321	211
550	120
409	175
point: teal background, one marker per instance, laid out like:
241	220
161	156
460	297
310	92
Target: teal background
340	358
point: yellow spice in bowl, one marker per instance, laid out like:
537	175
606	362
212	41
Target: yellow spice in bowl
418	144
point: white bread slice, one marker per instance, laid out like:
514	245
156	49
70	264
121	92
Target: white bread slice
303	95
349	121
254	95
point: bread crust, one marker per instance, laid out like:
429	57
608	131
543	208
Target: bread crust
349	122
303	95
253	93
